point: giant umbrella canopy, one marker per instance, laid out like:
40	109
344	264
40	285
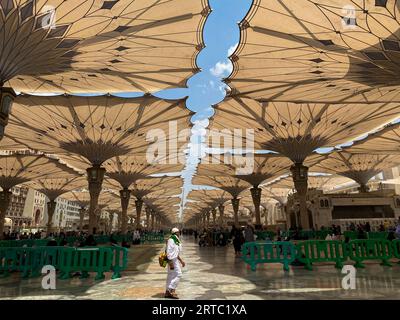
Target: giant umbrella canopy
81	46
125	170
215	196
17	168
142	188
56	187
296	130
83	198
360	167
87	131
385	141
257	169
234	186
324	51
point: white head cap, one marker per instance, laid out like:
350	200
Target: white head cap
174	230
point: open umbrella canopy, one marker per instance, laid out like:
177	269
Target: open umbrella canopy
324	51
385	141
127	169
232	185
252	168
99	46
360	167
19	168
322	182
55	187
296	130
87	131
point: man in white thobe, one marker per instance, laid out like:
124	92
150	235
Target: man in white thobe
174	249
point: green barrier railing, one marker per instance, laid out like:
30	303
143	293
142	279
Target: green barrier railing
362	250
22	243
254	253
30	261
152	238
352	235
378	235
265	235
396	249
308	234
312	251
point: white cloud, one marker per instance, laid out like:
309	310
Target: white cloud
232	49
222	69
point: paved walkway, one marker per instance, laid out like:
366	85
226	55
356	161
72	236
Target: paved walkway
213	273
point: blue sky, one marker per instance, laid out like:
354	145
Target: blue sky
221	36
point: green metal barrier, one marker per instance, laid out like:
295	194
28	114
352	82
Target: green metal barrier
396	249
120	261
22	243
362	250
254	253
309	234
378	235
352	235
265	235
152	238
30	261
311	251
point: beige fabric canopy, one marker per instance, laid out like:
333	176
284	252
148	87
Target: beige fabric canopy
324	51
55	187
268	193
385	141
127	169
296	130
142	188
217	196
20	168
100	46
358	167
232	185
82	197
321	182
86	131
254	169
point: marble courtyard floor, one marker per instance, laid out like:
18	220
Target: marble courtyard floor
213	273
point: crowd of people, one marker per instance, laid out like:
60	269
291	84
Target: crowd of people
237	236
82	238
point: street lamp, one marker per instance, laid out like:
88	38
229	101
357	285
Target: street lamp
7	96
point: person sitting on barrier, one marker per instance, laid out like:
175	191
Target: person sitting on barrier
174	249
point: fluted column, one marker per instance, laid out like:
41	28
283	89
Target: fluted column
256	195
51	208
235	205
300	179
125	195
139	205
221	210
95	177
